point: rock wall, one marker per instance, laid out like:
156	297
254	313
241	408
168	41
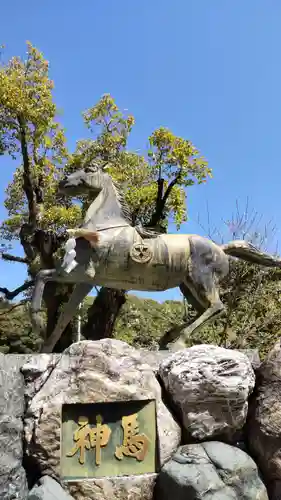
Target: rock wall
13	482
103	371
205	396
264	423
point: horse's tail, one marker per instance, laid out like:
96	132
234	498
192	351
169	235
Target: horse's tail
246	251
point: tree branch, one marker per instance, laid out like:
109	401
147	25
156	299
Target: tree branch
14	258
160	189
160	181
10	295
170	187
162	200
27	174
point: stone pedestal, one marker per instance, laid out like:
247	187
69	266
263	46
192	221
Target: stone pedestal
105	371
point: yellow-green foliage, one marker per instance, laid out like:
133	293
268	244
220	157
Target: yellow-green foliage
26	96
174	158
16	334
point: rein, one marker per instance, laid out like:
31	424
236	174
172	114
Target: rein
111	227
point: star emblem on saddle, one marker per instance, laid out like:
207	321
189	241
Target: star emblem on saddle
141	253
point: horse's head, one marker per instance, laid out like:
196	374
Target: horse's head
90	179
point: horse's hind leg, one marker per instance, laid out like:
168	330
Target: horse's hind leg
207	265
175	332
213	307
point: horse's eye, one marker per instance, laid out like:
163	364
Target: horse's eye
90	170
92	167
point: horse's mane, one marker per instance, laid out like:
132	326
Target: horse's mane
147	233
142	231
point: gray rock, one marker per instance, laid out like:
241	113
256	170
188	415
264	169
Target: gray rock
11	386
116	488
105	370
154	358
48	489
13	484
210	386
210	471
264	424
124	488
253	355
36	371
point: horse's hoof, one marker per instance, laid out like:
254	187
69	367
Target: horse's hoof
163	344
178	345
165	340
163	347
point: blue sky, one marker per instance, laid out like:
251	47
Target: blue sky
208	70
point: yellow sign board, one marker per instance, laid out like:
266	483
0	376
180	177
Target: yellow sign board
108	439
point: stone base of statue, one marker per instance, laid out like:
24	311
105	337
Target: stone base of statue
95	423
95	420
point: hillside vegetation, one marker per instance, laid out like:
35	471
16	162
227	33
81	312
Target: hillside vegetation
252	318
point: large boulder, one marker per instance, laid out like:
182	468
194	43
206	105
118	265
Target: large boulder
210	471
13	484
264	423
209	386
101	371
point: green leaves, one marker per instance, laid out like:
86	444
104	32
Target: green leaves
113	127
177	158
26	90
106	114
154	182
26	101
170	158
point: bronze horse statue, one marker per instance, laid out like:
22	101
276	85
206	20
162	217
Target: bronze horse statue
108	251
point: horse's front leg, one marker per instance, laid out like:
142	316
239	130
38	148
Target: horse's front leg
69	263
41	279
80	291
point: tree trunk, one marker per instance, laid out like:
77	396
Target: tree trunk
55	295
54	300
103	313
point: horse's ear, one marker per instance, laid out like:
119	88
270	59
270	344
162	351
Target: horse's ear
95	167
91	168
